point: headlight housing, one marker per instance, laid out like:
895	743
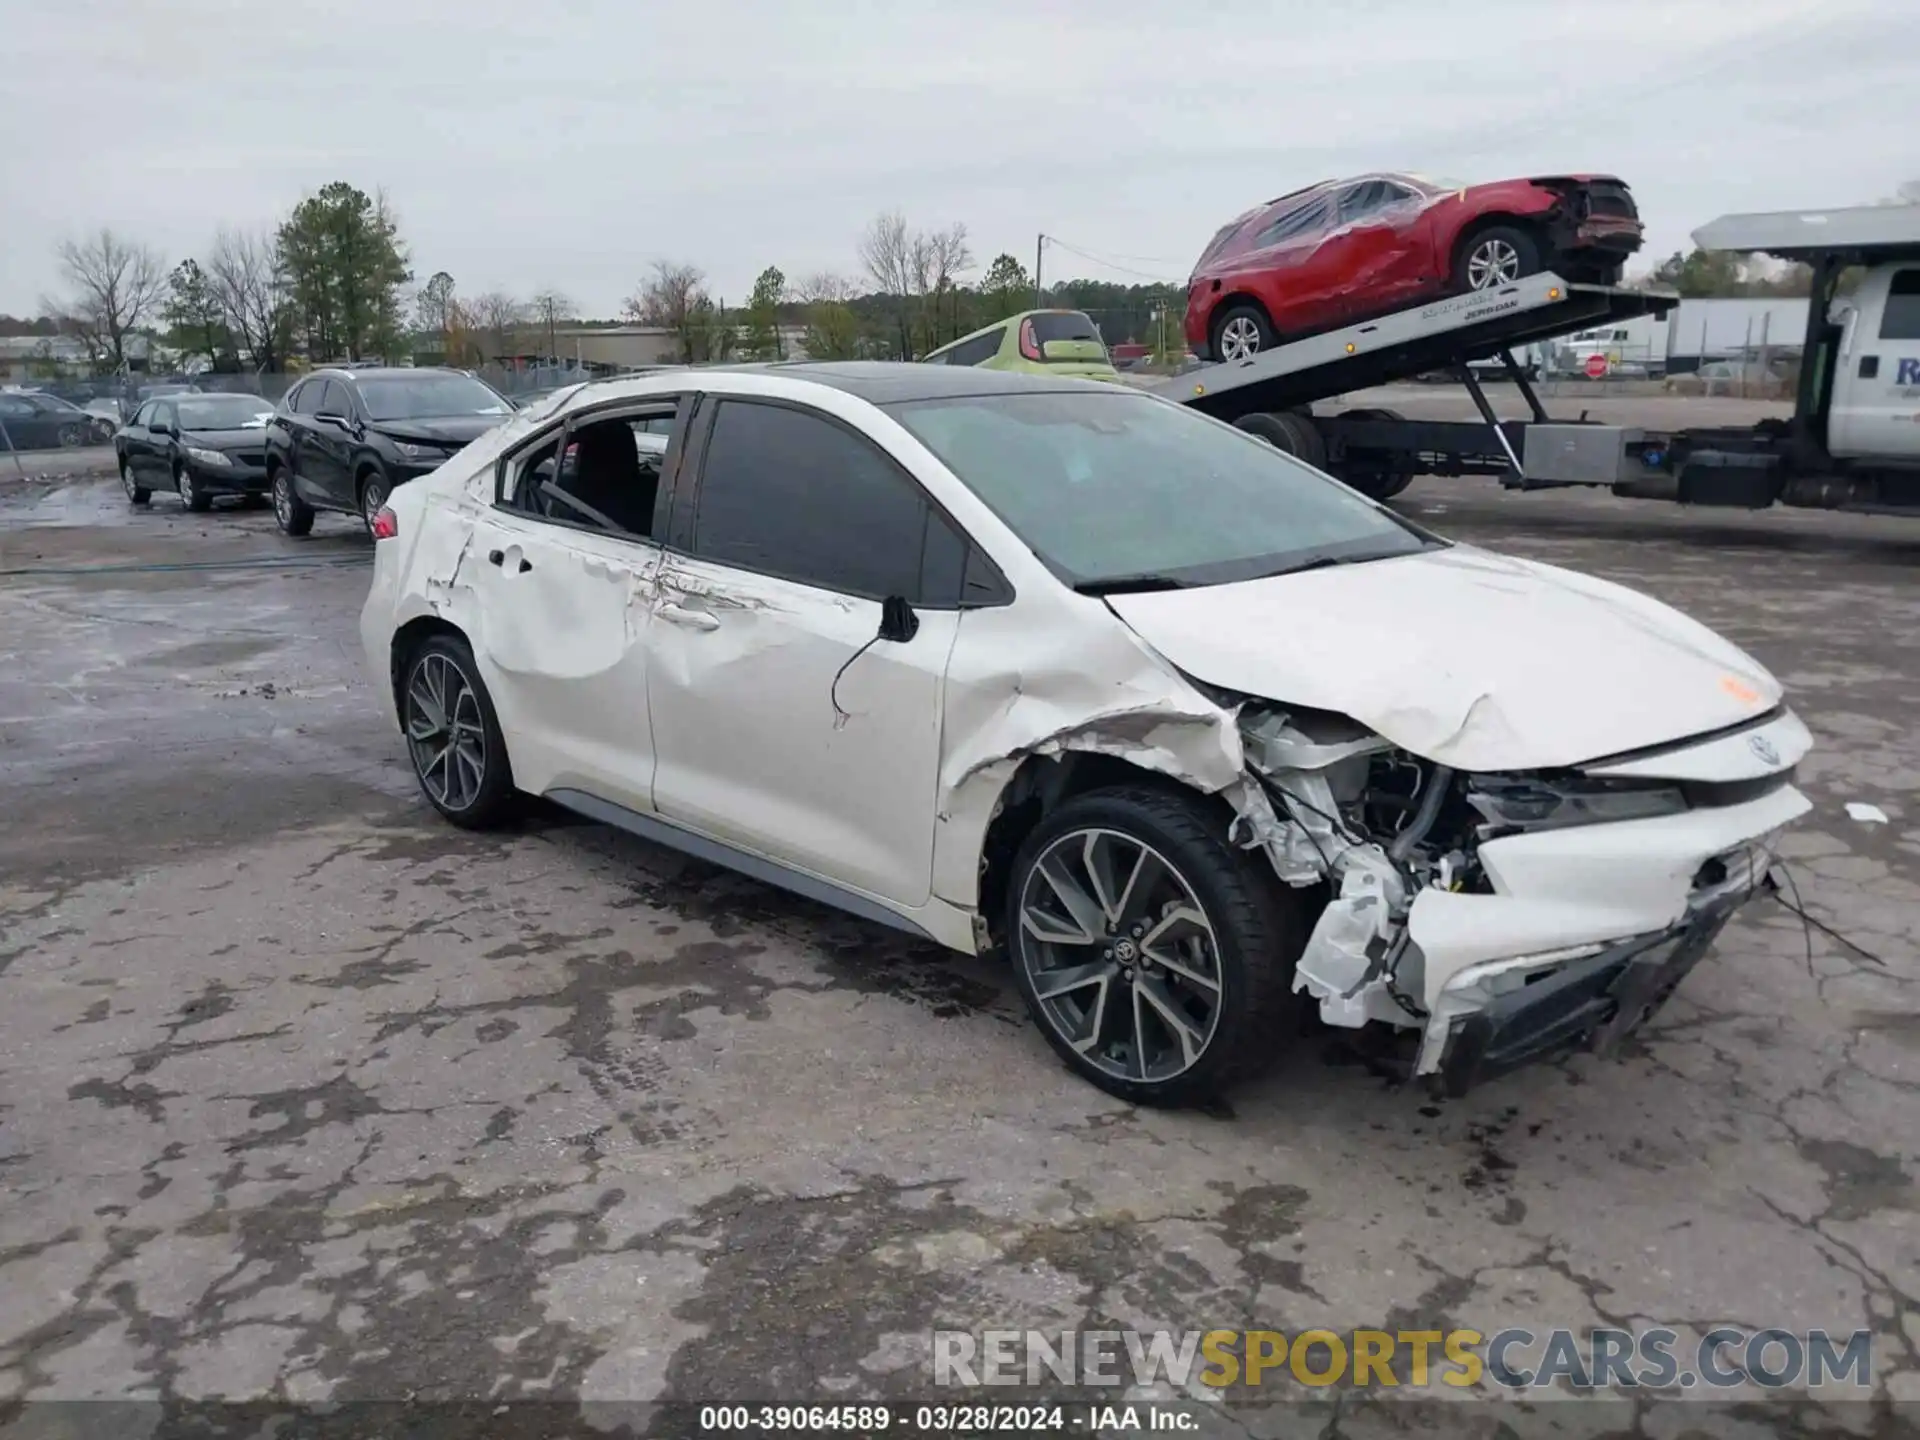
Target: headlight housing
1527	803
413	451
208	457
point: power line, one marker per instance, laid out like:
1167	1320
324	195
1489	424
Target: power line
1110	264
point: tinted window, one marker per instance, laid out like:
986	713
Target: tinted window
144	415
1902	318
788	493
975	351
1067	325
166	415
602	474
305	397
1104	486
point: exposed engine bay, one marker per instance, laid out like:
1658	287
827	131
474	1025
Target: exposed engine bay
1393	837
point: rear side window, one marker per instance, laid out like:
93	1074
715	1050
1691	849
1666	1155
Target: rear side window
1901	320
977	350
789	493
1302	219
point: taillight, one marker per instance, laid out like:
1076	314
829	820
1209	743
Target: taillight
386	525
1029	344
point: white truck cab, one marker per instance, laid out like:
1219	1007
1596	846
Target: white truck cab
1875	410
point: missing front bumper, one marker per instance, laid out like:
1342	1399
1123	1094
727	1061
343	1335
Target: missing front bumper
1592	1004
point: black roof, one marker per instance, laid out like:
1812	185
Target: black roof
889	382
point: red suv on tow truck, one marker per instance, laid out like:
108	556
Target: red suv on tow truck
1344	251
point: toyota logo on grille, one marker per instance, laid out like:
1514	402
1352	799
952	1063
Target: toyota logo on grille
1763	749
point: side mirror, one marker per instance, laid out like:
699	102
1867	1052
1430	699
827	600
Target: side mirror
898	623
160	427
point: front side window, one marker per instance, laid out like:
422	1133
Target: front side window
429	397
1901	319
143	416
1121	490
305	397
790	493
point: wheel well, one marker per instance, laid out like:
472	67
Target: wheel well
410	637
1238	297
1041	785
366	468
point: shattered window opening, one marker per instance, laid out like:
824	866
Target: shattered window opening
601	474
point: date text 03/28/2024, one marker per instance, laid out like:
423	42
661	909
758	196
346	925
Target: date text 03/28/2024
956	1419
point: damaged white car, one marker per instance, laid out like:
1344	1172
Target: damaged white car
1196	734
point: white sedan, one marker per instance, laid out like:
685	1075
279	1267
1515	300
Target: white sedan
1194	734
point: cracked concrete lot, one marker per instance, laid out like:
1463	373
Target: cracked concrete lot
305	1095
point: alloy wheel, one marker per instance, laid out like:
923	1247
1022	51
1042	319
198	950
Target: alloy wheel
373	495
1120	955
282	499
183	482
70	436
1493	262
1239	338
126	481
445	732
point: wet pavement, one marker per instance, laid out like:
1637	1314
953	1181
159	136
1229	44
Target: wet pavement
305	1094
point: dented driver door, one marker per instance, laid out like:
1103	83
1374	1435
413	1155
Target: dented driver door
784	725
563	620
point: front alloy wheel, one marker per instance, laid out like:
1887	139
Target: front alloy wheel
1120	955
373	495
191	495
1240	338
290	512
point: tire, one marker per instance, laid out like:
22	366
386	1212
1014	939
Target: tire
1289	432
292	514
475	793
1497	255
374	490
71	437
1244	945
191	495
137	493
1244	326
1378	485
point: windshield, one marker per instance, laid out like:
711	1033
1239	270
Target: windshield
1118	488
429	397
223	412
54	402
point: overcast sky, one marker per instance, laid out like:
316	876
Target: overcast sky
570	143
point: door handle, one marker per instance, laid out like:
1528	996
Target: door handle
692	619
499	557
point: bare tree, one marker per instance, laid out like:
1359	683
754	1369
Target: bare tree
495	319
675	298
943	257
114	284
887	254
826	288
833	330
243	271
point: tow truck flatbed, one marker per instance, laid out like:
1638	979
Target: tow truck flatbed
1444	334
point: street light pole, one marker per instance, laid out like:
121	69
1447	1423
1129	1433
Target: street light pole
1039	254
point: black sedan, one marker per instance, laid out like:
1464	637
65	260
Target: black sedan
198	446
343	439
30	420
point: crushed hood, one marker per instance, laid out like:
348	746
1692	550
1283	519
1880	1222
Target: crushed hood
1475	660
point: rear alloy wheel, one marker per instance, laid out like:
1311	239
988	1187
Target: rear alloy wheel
373	494
191	495
1240	332
453	735
1154	956
1495	257
137	493
290	512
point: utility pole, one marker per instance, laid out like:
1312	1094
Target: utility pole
1039	252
